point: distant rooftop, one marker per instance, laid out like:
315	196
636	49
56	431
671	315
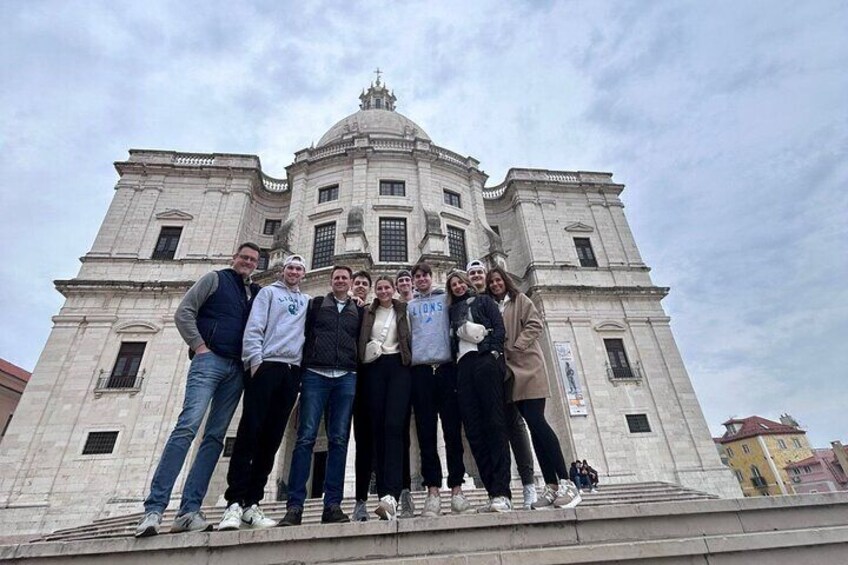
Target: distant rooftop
752	426
14	370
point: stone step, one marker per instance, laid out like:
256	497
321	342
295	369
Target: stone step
118	526
774	530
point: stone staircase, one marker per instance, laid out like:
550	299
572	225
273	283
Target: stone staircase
634	493
643	523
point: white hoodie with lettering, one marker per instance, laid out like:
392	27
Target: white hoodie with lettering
274	330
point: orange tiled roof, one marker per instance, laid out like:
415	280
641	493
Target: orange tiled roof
754	426
14	370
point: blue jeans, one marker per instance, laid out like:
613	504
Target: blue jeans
318	393
211	379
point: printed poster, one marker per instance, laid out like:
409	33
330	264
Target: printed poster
570	380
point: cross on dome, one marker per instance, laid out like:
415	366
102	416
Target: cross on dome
377	97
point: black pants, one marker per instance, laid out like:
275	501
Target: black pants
545	442
434	394
269	397
389	388
520	443
365	459
481	394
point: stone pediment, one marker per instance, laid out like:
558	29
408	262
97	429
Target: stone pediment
137	327
579	227
174	214
610	326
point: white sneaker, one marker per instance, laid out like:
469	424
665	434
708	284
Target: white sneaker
460	504
501	504
432	506
231	520
149	525
486	508
546	500
387	508
530	496
567	495
255	518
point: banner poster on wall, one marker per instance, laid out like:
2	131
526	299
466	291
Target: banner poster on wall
570	380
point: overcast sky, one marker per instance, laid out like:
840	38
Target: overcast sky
727	121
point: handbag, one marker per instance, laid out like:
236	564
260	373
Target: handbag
374	348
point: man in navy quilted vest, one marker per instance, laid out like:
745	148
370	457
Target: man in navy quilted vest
211	319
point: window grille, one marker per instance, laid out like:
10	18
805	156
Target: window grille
166	245
99	443
324	246
393	240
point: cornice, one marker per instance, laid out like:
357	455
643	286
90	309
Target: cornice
655	291
325	214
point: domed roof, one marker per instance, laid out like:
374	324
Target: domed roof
376	117
379	123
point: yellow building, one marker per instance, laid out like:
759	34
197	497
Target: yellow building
758	449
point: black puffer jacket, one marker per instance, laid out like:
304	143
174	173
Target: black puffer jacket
484	311
331	336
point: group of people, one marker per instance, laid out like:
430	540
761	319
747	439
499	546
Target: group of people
468	355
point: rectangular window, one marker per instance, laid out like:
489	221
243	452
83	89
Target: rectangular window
796	471
328	193
393	240
456	246
324	246
739	476
745	448
807	469
619	364
229	444
781	444
795	442
125	371
99	443
271	227
392	188
452	199
638	423
729	452
264	260
166	245
584	252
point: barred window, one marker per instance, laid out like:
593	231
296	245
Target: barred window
166	245
584	252
271	227
452	199
456	246
393	240
392	188
638	423
328	193
125	371
99	443
618	359
324	246
264	260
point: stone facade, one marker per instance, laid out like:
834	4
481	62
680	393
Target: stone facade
537	223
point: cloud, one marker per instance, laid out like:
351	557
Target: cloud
726	121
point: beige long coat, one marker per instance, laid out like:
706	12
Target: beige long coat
523	353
